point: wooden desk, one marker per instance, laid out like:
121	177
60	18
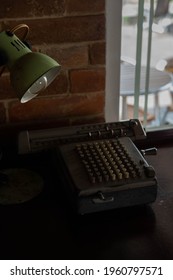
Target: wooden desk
46	229
158	81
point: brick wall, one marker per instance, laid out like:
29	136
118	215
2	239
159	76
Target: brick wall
73	33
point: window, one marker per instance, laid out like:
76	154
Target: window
123	40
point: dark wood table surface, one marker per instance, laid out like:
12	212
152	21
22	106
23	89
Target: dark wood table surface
46	228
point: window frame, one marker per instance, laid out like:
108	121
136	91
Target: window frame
113	54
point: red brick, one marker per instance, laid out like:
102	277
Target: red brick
97	53
59	85
68	31
85	6
87	80
73	56
64	30
54	108
88	119
31	8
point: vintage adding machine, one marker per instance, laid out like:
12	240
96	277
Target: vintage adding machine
99	165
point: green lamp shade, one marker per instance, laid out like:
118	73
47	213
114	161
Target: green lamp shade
32	73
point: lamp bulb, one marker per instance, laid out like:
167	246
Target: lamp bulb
39	85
